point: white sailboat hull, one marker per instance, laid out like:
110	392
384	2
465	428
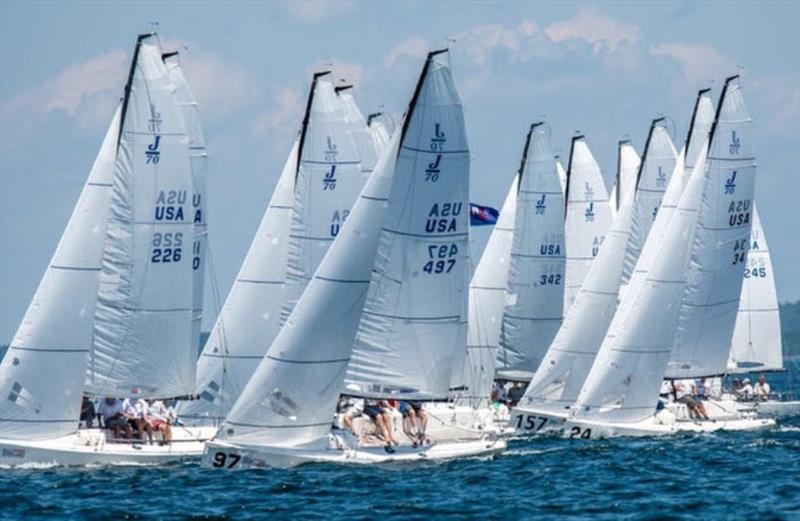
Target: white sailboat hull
775	408
223	455
529	421
447	421
91	447
659	425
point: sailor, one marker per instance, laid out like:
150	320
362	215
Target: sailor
376	410
515	394
762	388
113	417
159	417
415	421
136	414
745	392
350	408
683	395
87	412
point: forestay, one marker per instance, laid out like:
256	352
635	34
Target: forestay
414	325
250	318
756	344
143	322
719	254
328	180
198	159
486	302
588	216
41	375
628	162
535	288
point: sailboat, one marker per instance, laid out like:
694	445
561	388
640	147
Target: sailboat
116	305
557	382
319	182
534	291
588	216
361	327
756	344
698	261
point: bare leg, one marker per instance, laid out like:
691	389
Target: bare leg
422	424
390	428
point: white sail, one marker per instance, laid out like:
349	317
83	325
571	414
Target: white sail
653	177
588	216
41	374
705	231
568	361
563	370
360	133
292	395
625	377
699	127
328	180
250	318
756	344
628	162
143	321
414	324
486	302
535	288
562	175
198	158
380	129
711	300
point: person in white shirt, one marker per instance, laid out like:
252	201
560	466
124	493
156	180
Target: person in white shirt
683	394
762	389
136	413
160	416
111	411
745	392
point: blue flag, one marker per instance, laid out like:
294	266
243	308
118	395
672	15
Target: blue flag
482	215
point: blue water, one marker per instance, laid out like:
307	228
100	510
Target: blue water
752	475
732	476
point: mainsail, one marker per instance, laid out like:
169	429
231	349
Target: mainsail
41	375
250	318
653	176
328	179
414	324
198	159
628	162
699	128
143	321
486	302
535	288
756	344
292	395
711	300
588	216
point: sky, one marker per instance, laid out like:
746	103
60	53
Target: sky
605	69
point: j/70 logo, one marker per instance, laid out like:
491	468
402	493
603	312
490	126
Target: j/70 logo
152	153
735	144
730	184
540	206
589	213
438	140
661	178
433	170
331	151
154	123
329	181
589	193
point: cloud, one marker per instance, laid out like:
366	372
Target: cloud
343	71
480	41
595	28
316	11
286	110
697	62
65	91
220	86
413	47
